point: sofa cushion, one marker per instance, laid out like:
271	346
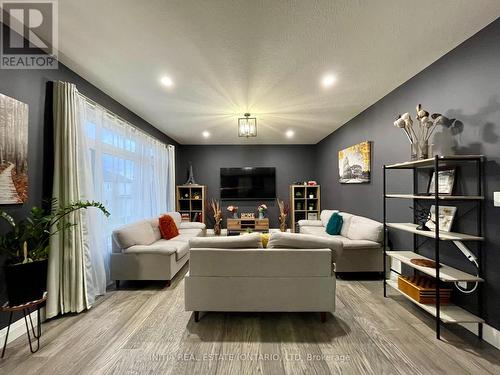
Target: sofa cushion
247	241
349	244
310	223
138	233
186	234
362	228
191	232
316	231
155	225
168	228
166	247
285	240
182	251
346	217
192	225
325	216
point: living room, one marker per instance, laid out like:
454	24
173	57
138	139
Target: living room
249	187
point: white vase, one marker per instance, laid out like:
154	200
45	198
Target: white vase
261	215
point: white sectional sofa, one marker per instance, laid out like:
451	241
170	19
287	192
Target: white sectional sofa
361	237
295	273
140	253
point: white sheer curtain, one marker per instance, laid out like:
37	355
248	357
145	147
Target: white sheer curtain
133	173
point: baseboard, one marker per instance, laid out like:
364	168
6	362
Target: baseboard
18	328
490	335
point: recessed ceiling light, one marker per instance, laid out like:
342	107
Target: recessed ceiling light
167	81
328	80
206	134
290	133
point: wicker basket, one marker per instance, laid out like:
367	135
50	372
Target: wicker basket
422	289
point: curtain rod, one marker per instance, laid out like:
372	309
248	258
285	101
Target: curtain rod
112	114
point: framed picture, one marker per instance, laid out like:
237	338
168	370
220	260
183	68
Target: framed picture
446	181
354	164
446	217
13	151
312	216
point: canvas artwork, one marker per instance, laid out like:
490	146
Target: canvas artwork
354	164
13	151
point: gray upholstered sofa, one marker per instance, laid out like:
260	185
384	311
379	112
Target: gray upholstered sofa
139	252
295	273
361	237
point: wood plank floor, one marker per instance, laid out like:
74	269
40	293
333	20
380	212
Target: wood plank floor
144	329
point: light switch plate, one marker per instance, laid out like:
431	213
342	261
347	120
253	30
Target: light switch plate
496	198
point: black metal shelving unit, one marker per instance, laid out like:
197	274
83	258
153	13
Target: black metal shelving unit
443	274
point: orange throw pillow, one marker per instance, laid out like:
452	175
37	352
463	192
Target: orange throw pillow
168	229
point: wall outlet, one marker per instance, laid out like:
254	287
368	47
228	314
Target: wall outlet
496	198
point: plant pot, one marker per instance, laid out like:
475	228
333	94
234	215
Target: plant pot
261	215
26	282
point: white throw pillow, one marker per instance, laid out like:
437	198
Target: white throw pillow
362	228
326	215
346	223
138	233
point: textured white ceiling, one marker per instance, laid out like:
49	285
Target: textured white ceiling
228	57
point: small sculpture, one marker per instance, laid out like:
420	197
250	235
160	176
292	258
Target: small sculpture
190	180
422	216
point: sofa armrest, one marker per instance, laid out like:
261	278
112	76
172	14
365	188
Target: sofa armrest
192	225
310	223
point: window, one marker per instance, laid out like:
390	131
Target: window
132	172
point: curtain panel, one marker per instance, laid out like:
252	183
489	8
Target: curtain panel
100	157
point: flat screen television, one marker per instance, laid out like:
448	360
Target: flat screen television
248	183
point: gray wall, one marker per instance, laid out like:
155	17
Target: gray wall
33	87
464	85
292	162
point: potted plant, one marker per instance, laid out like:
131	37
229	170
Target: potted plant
25	248
233	210
262	210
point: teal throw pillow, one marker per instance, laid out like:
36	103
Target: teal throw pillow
334	224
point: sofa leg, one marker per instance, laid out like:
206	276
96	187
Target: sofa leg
196	316
167	284
117	283
322	316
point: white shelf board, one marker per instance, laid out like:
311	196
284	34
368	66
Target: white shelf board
430	161
441	197
446	273
448	314
446	236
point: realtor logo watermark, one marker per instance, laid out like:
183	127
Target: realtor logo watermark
29	35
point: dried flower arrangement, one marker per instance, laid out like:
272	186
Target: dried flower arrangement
284	210
217	213
419	136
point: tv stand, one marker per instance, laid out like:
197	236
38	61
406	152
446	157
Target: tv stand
243	225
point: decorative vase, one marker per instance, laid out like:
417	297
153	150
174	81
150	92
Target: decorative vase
423	150
414	151
235	215
283	223
261	215
217	228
